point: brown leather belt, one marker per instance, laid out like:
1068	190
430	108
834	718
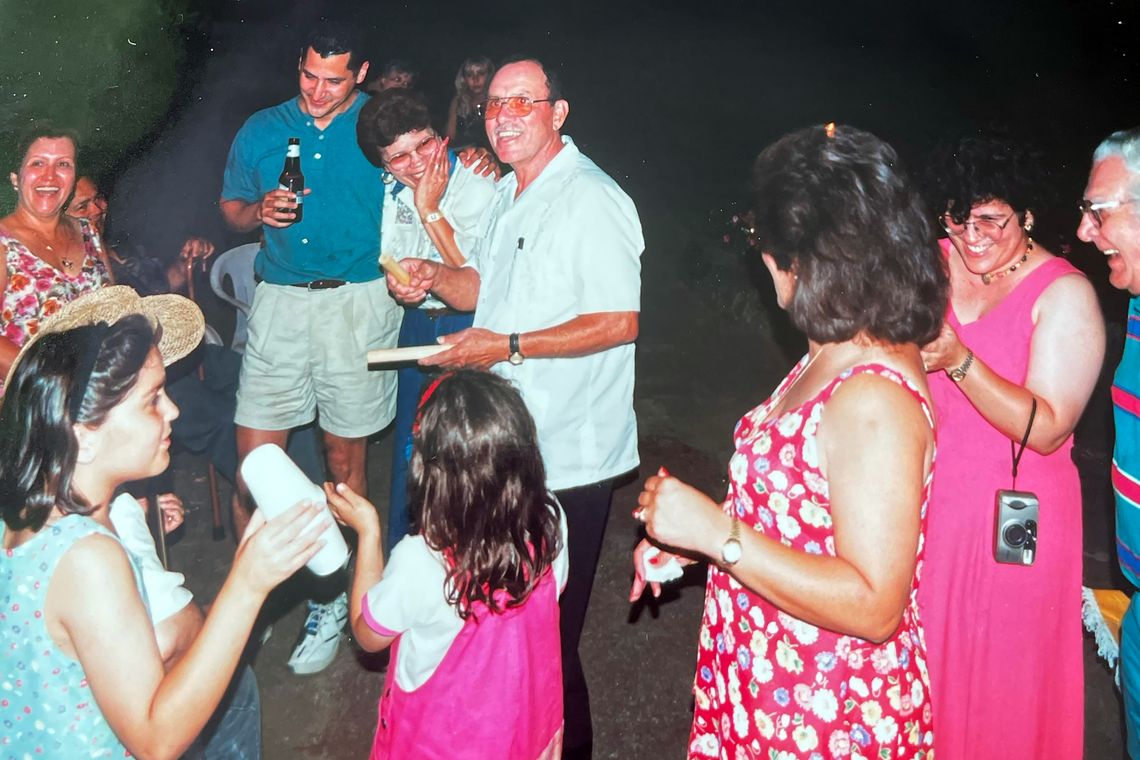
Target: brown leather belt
319	284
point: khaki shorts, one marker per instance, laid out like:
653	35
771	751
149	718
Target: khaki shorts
306	351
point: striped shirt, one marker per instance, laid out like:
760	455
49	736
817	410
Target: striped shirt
1126	457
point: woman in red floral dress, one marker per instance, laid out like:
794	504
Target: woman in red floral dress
810	642
50	258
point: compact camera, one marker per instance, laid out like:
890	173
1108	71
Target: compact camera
1015	527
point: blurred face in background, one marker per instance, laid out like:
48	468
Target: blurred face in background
395	78
475	78
88	203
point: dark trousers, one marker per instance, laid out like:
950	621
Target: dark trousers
587	508
418	329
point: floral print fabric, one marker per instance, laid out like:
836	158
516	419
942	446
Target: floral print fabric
769	685
37	290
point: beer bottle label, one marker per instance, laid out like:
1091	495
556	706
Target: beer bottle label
286	188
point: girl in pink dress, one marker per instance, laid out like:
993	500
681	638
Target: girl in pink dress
811	644
469	601
1005	659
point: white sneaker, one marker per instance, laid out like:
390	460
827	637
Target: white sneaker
321	637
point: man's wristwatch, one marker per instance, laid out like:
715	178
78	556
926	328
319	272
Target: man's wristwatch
432	217
731	550
515	357
958	374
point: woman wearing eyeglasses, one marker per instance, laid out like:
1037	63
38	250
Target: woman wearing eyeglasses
1023	332
432	205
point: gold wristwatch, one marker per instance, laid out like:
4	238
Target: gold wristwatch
958	374
731	550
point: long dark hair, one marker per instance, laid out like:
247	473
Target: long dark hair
477	491
38	447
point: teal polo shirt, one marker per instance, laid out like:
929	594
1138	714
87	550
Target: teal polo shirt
339	235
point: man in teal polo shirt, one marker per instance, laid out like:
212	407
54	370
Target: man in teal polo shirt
1110	220
321	304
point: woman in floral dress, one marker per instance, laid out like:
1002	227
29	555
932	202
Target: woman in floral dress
810	642
50	258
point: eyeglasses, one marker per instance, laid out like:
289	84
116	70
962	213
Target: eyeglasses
423	150
1093	208
516	105
991	228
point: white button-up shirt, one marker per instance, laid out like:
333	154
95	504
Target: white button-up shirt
569	245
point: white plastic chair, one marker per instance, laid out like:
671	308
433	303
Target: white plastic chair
237	264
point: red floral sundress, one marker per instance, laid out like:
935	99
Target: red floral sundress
769	685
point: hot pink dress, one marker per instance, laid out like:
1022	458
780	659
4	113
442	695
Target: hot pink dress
768	684
497	692
1003	641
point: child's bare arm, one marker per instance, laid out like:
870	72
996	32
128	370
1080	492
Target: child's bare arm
354	511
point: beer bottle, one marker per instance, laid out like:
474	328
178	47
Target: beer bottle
291	178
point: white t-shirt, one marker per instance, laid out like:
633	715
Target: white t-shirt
411	600
165	593
402	231
569	245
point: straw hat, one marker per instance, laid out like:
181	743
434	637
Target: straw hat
178	319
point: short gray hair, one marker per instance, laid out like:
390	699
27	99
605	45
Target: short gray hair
1126	144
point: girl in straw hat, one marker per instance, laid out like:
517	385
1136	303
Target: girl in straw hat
86	411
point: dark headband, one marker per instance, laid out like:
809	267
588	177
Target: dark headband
87	359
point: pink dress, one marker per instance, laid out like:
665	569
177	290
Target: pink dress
497	693
1003	641
769	685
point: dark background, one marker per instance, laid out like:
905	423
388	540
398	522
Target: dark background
673	99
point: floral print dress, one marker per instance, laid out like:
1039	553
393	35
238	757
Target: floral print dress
36	290
769	685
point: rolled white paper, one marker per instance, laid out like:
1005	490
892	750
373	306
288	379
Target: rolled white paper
276	484
670	571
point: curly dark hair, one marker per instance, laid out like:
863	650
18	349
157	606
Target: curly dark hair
980	168
477	491
38	447
386	116
834	207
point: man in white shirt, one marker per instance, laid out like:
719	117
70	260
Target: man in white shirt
556	287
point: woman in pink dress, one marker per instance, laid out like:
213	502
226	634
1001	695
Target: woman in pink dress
810	643
1004	639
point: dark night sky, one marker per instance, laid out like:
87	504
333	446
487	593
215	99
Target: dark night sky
674	99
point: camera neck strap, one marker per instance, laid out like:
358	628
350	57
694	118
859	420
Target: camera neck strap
1016	457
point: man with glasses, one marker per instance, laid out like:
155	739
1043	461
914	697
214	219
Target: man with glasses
555	283
321	303
1110	220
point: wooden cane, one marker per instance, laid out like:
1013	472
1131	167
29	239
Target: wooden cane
156	522
219	530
